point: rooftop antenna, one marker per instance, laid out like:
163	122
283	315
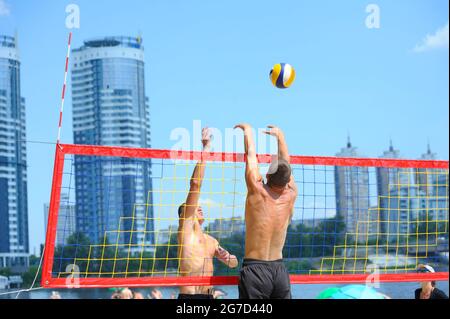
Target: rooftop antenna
139	37
349	144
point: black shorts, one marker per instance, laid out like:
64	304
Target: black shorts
261	279
195	296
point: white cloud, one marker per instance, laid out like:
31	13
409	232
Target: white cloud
4	8
434	41
208	202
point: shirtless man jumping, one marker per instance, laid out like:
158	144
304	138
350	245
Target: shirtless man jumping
197	249
268	212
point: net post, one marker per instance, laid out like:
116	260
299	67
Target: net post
53	216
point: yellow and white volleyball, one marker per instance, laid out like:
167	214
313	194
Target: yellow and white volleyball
282	75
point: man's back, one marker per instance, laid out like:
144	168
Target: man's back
268	212
267	217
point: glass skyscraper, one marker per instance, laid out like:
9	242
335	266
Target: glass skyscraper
427	179
405	205
434	184
66	219
352	195
391	182
110	108
14	246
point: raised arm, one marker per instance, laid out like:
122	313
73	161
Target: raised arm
283	152
252	175
282	146
196	179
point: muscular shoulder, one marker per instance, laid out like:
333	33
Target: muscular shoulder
211	239
261	189
188	224
256	187
293	193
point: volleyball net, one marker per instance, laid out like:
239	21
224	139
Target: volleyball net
113	217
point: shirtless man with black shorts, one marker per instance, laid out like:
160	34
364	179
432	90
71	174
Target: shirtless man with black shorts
268	212
196	249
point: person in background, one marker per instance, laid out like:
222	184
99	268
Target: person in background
156	294
126	293
137	295
116	295
55	295
428	289
218	293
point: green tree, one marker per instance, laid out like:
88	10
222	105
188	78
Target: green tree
103	257
29	276
75	251
5	272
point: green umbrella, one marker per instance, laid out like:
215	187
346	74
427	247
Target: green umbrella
350	292
328	293
115	289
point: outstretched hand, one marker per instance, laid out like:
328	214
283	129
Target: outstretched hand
206	137
156	294
274	131
243	126
222	253
224	256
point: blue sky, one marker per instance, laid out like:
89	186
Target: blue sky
209	60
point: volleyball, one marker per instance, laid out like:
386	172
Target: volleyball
282	75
